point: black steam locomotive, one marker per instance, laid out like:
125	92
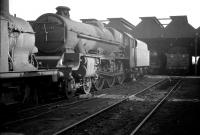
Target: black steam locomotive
87	53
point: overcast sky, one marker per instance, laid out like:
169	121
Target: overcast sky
130	10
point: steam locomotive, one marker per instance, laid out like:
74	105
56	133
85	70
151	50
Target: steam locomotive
71	56
88	53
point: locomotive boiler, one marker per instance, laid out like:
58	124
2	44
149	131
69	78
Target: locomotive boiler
21	45
62	34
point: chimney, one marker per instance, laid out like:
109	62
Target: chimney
63	11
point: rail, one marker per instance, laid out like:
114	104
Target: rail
154	109
62	131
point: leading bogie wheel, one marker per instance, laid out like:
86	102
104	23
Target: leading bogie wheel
87	85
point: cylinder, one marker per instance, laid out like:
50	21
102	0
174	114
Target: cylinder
4	7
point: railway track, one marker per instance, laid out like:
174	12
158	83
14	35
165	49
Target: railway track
64	130
178	114
69	114
74	128
149	115
34	112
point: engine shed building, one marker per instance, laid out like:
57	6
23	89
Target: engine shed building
177	37
150	30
